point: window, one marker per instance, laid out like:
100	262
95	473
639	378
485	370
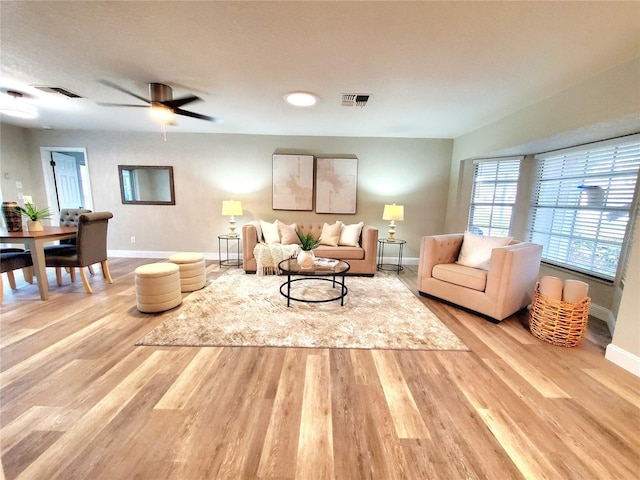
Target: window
581	204
495	185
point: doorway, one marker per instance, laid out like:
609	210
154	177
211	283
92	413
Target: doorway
66	178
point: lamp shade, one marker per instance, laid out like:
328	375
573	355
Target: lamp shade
231	207
393	212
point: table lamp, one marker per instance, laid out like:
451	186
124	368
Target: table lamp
231	208
393	212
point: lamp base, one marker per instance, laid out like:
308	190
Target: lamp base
391	232
232	228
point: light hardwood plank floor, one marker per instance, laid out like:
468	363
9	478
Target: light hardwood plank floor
80	401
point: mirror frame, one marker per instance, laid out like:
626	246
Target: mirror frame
168	168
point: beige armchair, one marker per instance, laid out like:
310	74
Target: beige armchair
506	287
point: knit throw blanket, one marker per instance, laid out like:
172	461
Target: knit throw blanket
268	255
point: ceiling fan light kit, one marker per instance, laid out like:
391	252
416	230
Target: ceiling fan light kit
163	106
162	114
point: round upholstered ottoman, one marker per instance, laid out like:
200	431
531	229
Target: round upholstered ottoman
158	287
192	270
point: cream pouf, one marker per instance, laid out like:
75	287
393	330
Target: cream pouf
192	270
158	287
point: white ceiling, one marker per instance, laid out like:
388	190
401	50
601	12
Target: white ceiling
433	69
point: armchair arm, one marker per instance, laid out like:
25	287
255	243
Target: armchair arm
513	272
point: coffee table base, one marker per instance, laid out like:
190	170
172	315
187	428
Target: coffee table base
335	281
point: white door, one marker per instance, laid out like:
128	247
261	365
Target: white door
67	180
71	187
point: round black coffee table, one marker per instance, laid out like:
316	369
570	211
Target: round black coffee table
320	271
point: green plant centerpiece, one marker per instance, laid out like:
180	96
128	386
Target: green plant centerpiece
34	216
308	243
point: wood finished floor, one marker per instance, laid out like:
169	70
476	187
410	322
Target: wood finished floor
80	401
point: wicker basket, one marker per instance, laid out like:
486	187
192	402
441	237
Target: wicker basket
557	322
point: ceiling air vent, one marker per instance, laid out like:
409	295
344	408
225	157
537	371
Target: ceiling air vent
357	99
59	90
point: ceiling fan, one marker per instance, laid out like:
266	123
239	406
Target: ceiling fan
163	105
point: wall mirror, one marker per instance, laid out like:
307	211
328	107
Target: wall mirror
146	185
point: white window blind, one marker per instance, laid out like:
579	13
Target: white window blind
495	185
581	204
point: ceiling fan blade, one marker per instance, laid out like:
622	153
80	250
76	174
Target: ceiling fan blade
178	102
104	104
123	90
179	111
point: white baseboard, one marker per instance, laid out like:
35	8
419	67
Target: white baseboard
603	314
157	254
214	255
405	260
624	359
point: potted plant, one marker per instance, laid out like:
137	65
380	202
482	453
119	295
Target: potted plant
34	216
308	243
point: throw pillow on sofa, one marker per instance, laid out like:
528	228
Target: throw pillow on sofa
330	234
270	232
350	235
288	234
476	249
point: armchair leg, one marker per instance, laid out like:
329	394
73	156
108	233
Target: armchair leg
105	271
12	280
85	280
72	274
59	276
91	271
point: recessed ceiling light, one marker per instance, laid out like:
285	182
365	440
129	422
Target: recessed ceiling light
301	99
12	104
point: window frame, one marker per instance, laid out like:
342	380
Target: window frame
592	208
490	186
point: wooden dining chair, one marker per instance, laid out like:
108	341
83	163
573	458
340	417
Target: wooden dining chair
13	259
90	248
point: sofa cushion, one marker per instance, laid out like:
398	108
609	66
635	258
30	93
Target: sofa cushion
476	249
469	277
288	234
341	253
330	234
270	232
350	234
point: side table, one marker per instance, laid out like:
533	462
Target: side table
228	262
397	267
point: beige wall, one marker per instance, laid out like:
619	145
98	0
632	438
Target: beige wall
605	106
627	333
209	168
16	166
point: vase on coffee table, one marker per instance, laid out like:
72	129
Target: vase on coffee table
306	258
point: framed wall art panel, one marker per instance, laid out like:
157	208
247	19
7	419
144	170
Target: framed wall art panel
336	185
292	182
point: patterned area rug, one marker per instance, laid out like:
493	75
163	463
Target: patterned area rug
246	310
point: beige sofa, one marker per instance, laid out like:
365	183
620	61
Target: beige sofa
362	259
506	287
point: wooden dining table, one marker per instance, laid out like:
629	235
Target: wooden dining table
35	242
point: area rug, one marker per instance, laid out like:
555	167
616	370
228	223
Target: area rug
237	309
